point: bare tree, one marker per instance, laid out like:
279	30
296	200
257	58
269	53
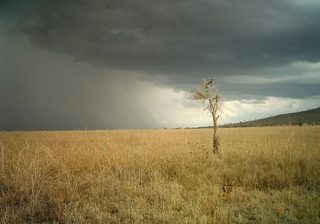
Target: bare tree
208	92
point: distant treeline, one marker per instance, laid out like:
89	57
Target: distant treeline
309	117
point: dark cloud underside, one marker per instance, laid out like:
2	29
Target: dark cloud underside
174	35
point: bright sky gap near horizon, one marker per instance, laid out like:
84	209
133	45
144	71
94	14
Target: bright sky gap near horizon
131	64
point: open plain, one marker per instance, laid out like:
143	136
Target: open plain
262	175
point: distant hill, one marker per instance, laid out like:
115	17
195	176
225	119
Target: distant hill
311	117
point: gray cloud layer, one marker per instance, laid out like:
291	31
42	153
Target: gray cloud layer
184	35
180	40
42	90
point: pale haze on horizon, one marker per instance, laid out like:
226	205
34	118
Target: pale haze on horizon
129	64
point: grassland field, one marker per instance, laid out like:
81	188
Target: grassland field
262	175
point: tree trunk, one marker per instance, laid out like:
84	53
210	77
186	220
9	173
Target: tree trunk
215	139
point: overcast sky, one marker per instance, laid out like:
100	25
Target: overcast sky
131	64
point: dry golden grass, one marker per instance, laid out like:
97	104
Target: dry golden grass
263	175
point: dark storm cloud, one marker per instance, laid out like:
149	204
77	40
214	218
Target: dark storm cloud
175	35
275	90
40	90
171	43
